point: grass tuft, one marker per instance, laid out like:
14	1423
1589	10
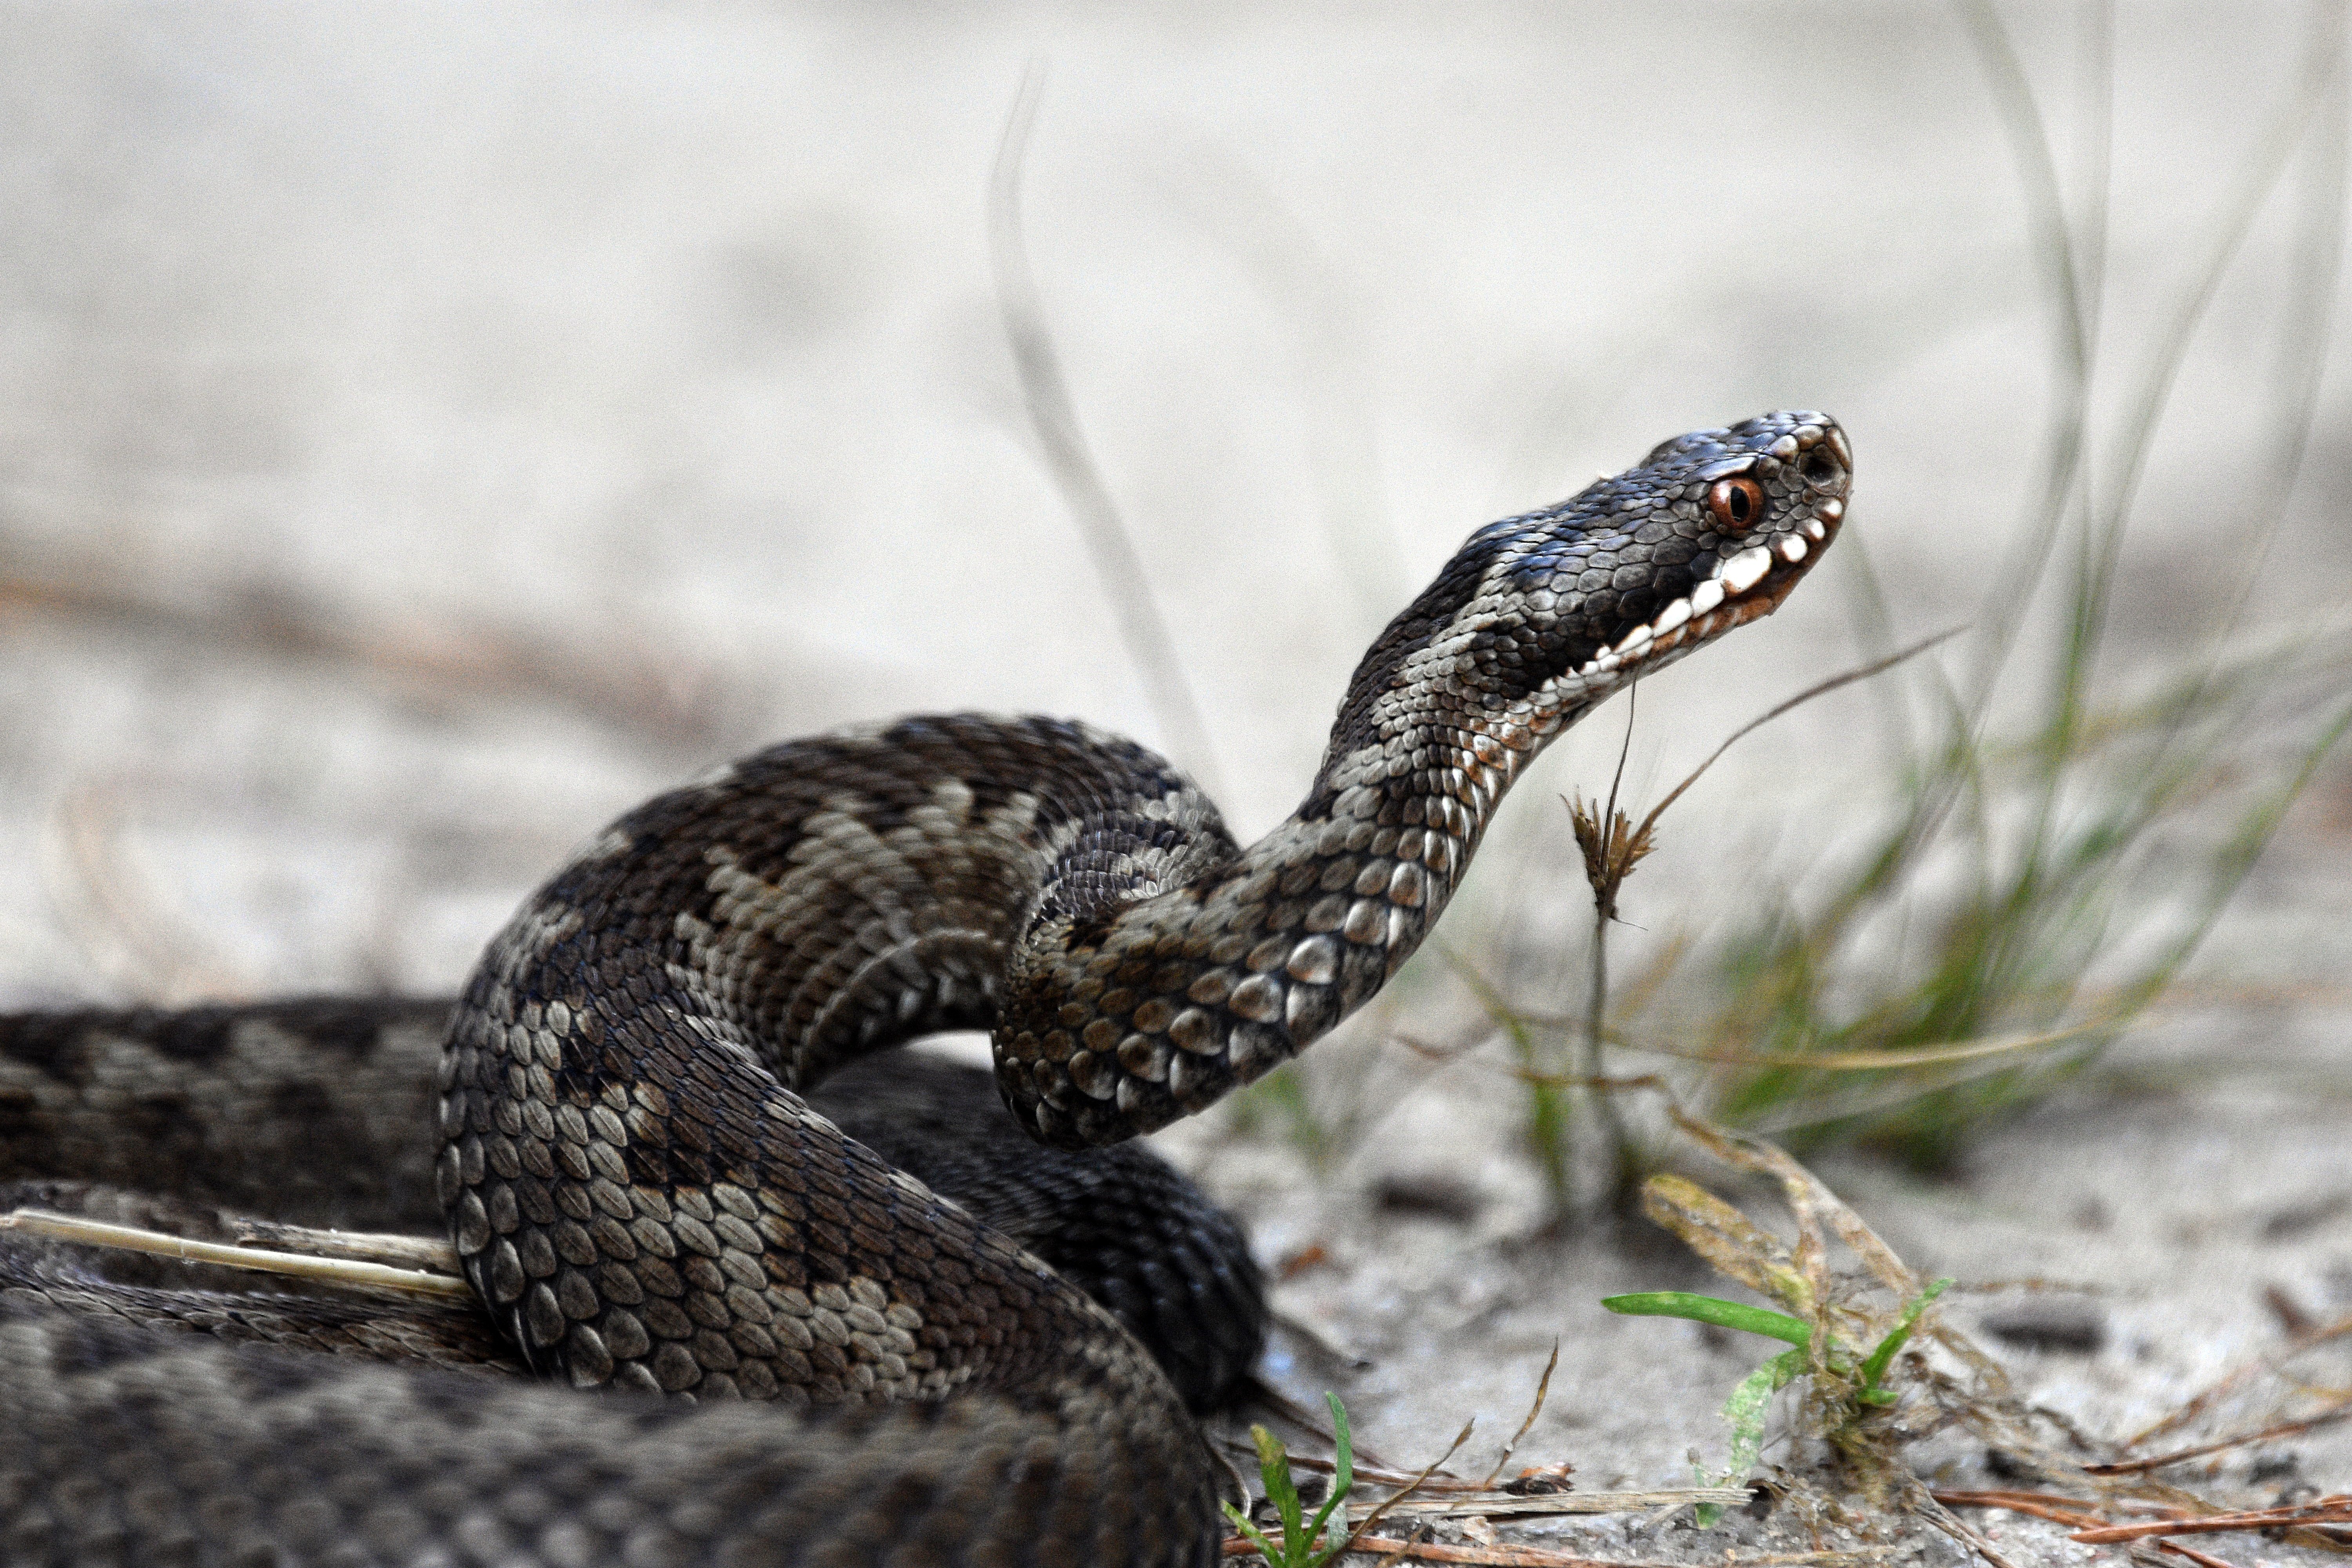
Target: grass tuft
2056	880
1298	1547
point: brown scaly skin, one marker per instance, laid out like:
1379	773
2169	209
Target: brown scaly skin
321	1112
643	1199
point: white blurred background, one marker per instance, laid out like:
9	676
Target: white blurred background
426	430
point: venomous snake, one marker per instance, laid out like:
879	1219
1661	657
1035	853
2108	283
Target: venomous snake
646	1198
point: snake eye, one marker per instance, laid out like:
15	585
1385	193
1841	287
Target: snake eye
1735	503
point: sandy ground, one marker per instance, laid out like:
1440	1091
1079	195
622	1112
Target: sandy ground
426	433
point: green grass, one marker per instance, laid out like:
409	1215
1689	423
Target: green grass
1862	1376
2051	878
2047	930
2025	887
1301	1545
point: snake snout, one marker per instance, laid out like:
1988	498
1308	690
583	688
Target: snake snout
1767	496
1793	481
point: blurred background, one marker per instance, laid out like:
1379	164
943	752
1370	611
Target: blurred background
426	431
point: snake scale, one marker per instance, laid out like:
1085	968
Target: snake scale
647	1200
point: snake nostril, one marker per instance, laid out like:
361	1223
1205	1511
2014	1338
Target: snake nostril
1823	469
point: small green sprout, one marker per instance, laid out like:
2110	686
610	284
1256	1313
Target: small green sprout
1743	1413
1298	1547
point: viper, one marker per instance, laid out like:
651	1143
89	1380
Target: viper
781	1346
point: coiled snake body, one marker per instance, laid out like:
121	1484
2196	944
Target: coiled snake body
643	1198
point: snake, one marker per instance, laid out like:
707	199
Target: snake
717	1324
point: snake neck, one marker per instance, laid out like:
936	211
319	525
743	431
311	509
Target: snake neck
1119	1019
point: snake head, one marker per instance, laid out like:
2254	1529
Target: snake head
1540	617
1710	532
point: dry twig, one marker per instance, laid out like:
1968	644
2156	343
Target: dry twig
1543	1387
2324	1510
2283	1429
351	1260
1514	1556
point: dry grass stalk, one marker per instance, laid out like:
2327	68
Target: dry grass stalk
348	1260
624	682
1543	1391
1054	420
2324	1510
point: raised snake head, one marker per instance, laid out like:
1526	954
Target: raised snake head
1538	617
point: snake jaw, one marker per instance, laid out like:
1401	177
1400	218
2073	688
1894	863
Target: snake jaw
1799	466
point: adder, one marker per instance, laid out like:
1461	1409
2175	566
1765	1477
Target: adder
782	1347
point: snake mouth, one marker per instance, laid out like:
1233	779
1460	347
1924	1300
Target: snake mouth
1746	585
1749	583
